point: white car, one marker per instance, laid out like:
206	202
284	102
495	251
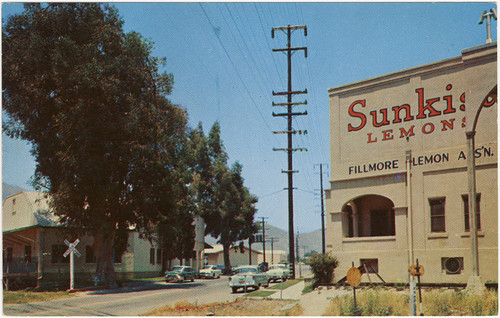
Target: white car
210	271
278	272
248	276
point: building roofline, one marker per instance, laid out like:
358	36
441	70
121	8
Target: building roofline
406	74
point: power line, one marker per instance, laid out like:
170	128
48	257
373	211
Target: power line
235	69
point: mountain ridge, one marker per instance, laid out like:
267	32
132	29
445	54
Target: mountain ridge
308	242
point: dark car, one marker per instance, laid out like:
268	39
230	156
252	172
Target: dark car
221	267
180	274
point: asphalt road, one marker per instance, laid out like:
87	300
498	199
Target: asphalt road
131	300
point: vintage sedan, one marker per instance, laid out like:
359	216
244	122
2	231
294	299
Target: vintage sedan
248	276
180	274
210	271
278	272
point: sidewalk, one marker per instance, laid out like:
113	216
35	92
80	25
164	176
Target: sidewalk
313	303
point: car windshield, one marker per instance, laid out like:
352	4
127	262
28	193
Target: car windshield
207	267
246	270
277	267
177	268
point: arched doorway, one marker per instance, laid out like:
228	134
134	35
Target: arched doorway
368	215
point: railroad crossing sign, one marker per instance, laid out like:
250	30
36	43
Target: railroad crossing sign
72	251
72	248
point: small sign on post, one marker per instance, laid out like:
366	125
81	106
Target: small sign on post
418	270
354	279
71	251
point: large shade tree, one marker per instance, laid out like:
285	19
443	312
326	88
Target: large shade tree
229	210
91	100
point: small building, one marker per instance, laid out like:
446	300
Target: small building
274	256
33	247
399	180
237	256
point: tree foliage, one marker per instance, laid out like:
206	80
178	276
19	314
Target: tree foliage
323	266
224	202
91	100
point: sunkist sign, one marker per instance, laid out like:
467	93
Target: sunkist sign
423	108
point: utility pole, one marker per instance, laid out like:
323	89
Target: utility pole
250	241
264	236
290	132
298	255
273	239
322	209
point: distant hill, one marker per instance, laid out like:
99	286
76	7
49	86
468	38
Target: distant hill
8	189
307	241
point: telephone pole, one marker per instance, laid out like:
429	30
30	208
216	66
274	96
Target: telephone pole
290	132
264	235
323	239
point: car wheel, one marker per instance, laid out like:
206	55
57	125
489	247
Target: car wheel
235	289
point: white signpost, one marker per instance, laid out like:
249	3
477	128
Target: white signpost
71	251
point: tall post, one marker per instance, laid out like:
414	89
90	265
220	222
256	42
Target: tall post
264	238
322	210
250	239
474	283
290	132
72	271
272	250
412	283
488	15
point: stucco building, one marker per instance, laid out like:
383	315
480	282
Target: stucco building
398	188
237	256
33	247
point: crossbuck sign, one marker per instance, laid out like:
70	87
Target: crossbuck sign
71	251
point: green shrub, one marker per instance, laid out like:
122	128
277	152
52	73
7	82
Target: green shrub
323	266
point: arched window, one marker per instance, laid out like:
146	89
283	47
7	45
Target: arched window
369	215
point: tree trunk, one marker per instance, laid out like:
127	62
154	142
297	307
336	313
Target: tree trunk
103	246
227	260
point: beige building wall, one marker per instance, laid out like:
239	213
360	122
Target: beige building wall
423	111
273	257
216	256
14	207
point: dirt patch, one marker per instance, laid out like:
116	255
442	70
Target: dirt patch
240	307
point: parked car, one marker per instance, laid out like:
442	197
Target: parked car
278	272
248	276
221	267
180	274
210	271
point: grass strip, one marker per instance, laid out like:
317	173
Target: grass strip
286	284
261	293
22	297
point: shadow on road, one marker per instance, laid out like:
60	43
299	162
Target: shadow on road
146	286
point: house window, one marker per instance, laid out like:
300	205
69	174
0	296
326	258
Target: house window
10	253
89	254
27	253
117	258
371	264
465	198
13	206
57	254
152	256
437	215
158	256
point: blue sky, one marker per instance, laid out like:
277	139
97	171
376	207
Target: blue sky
224	69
